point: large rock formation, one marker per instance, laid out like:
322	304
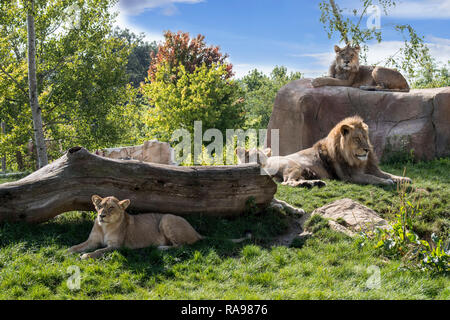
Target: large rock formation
400	124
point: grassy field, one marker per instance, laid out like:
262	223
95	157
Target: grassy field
34	263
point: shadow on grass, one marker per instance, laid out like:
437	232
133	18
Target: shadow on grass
72	228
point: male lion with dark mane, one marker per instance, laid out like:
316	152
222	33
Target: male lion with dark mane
346	71
345	154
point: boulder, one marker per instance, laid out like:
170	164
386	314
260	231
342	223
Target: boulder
400	124
350	217
152	151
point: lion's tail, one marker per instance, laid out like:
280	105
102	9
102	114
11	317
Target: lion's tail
247	236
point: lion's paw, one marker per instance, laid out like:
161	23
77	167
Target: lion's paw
318	82
85	256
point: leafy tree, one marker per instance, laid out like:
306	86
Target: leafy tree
140	56
203	95
189	81
260	92
179	48
81	74
432	77
414	54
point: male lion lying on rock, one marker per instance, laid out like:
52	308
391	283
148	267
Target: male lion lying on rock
345	154
114	228
346	71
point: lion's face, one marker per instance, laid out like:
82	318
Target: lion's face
109	209
347	58
355	144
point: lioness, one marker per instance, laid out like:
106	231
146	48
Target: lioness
283	169
346	71
345	154
114	228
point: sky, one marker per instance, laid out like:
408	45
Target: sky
262	34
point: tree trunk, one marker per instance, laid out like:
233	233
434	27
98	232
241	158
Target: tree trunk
3	131
19	161
67	184
33	92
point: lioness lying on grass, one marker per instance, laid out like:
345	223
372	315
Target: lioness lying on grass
114	228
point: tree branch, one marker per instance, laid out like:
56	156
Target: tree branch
339	22
14	80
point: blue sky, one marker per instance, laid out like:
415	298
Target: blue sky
264	33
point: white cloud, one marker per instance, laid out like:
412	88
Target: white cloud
150	36
407	9
136	7
424	9
129	8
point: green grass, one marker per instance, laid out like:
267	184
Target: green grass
34	263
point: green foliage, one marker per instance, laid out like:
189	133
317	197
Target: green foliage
402	241
432	76
140	55
436	257
81	73
413	55
260	92
204	95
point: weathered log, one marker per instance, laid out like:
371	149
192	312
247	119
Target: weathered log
68	183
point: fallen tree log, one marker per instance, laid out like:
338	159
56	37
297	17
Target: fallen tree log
68	183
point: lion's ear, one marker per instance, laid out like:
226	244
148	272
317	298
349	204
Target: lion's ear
345	129
365	127
124	203
267	152
337	49
96	200
357	48
239	150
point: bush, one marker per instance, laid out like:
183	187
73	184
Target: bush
204	95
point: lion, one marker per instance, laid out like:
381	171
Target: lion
346	71
345	154
114	228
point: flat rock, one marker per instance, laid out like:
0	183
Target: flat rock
399	123
353	217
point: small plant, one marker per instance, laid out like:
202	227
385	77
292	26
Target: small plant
436	258
400	240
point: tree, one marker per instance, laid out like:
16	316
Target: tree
42	159
190	81
432	77
260	92
80	72
140	56
178	48
414	54
203	95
